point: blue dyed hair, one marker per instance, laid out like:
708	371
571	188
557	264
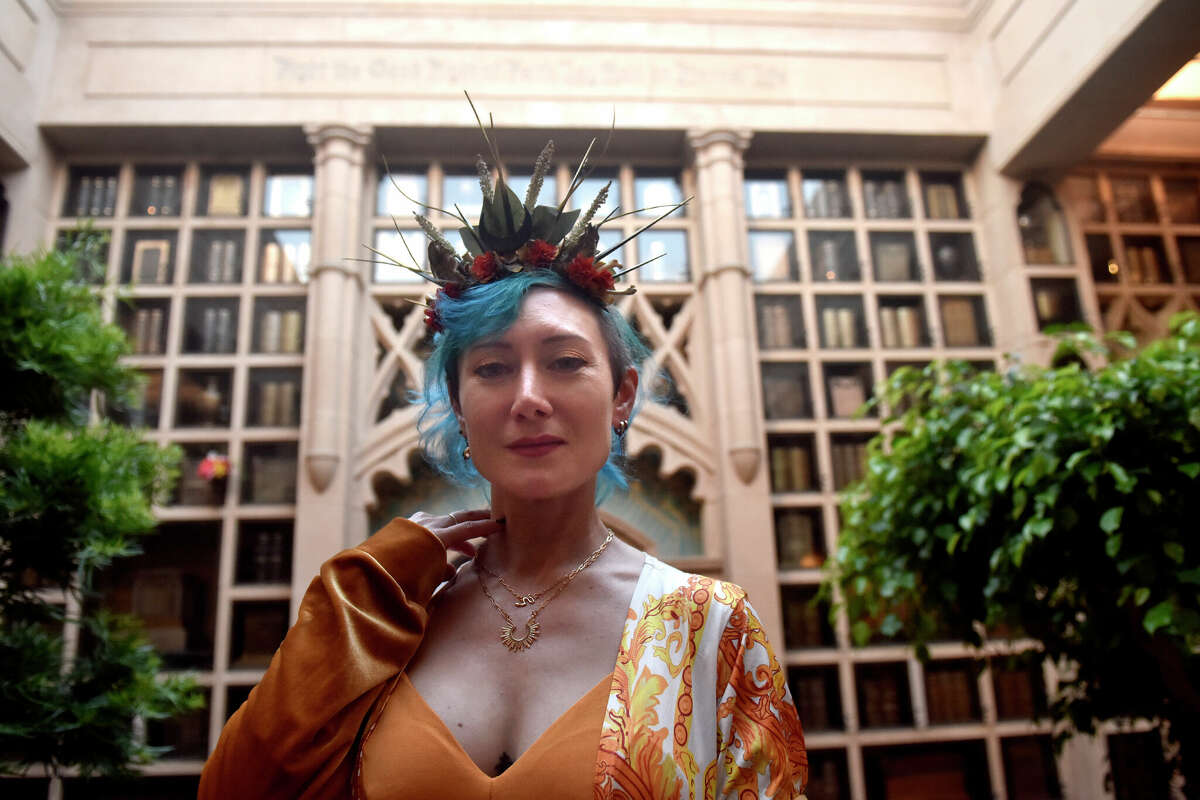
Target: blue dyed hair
488	310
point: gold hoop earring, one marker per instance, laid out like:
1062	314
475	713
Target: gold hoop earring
467	453
621	426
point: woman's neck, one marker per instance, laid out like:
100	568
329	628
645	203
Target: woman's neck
543	539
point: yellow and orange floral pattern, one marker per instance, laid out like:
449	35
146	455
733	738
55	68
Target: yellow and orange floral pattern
699	707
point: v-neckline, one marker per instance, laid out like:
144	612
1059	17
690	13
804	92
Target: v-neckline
647	561
606	680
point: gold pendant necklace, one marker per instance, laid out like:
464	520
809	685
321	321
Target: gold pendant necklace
522	600
517	643
508	631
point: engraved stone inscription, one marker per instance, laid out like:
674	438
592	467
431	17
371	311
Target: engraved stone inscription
347	71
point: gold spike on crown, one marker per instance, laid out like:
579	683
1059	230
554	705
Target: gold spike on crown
512	235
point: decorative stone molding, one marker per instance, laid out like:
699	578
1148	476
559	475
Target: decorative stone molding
348	270
703	144
717	271
322	467
358	136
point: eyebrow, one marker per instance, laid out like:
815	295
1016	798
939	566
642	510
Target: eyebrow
555	339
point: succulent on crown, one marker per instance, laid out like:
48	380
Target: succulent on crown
514	235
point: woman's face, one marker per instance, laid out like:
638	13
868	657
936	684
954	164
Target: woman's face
537	402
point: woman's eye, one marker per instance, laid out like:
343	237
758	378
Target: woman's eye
493	369
569	362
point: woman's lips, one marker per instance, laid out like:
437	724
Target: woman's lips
535	449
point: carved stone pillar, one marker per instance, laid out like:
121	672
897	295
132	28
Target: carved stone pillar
727	302
333	289
725	284
334	303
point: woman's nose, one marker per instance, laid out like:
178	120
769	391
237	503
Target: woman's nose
531	400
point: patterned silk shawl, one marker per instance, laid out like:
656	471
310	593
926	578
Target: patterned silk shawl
699	706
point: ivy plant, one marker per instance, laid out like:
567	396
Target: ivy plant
75	493
1056	505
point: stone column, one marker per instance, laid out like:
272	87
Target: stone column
726	298
1010	314
324	500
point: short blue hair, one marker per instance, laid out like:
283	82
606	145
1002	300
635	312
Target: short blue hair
488	310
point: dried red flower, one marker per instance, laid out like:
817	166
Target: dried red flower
431	319
537	253
450	290
596	279
484	267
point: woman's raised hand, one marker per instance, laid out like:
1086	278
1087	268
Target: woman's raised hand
456	529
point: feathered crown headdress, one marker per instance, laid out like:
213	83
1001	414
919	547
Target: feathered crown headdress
512	235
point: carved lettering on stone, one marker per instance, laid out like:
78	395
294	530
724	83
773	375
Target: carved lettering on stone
349	71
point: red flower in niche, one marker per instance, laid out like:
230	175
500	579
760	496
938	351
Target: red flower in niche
213	467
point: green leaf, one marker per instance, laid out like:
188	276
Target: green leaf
1159	616
1174	551
563	226
1123	338
470	241
1038	526
1111	520
504	224
1020	498
891	625
1112	546
1125	481
1141	596
550	226
1018	550
861	632
1189	576
1075	458
1191	470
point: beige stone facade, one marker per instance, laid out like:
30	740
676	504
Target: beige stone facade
856	167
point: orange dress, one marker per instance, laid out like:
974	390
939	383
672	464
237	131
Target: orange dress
697	705
412	754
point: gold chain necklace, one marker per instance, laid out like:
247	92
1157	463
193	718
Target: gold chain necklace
508	635
522	600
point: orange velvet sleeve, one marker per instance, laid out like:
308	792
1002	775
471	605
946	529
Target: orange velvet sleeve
359	623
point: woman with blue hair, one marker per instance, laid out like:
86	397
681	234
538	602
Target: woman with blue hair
559	662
